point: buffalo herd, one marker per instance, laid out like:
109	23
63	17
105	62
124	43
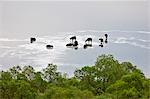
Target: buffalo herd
74	43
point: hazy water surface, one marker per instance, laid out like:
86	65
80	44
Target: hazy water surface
132	46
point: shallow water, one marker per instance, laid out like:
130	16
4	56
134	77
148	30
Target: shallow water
132	46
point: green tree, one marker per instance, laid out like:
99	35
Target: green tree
38	83
29	72
54	92
50	73
7	89
24	91
15	71
107	79
146	93
129	87
97	78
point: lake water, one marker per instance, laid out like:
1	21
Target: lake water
132	46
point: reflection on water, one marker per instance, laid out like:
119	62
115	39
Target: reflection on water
133	46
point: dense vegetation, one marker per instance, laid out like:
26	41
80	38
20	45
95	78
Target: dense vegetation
107	79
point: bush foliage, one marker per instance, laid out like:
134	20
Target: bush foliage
107	79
